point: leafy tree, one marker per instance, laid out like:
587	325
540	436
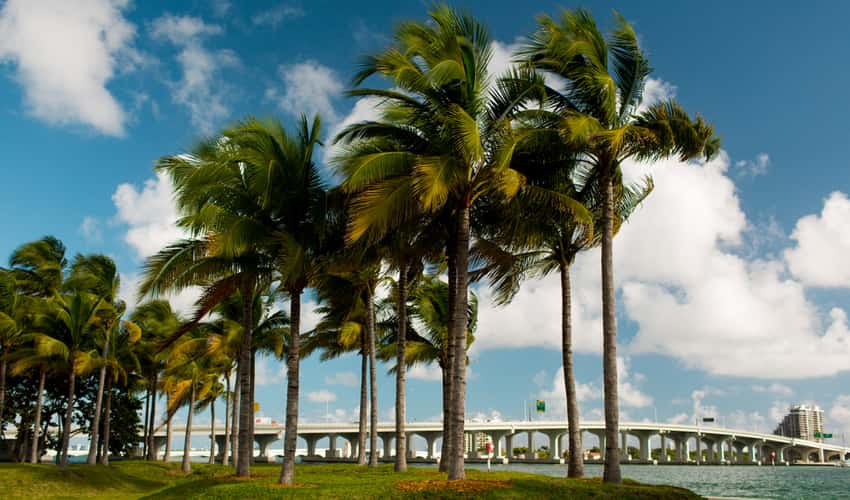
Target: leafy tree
598	112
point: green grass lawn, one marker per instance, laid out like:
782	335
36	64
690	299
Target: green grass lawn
159	480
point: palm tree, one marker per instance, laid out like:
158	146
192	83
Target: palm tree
511	247
122	364
598	112
13	313
436	150
26	358
72	321
158	322
98	275
429	309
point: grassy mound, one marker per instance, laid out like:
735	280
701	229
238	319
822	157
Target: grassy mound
159	480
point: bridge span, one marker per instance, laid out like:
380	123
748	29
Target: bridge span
688	444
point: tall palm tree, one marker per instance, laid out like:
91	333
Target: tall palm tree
158	322
436	150
511	247
98	275
428	342
598	111
122	365
13	312
285	183
72	321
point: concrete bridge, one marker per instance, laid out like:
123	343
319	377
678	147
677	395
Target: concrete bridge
711	445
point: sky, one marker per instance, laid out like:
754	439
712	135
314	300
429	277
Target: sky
732	277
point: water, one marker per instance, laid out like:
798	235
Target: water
729	481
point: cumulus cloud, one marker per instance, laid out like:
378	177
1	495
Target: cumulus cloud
308	87
65	54
430	372
269	371
200	89
91	229
839	414
349	379
755	167
276	15
150	214
822	245
321	396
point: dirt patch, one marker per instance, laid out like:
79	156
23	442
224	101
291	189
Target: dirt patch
461	486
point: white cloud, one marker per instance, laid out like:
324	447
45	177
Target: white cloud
91	229
150	214
277	14
754	167
629	393
679	418
839	414
823	244
201	89
656	90
321	396
430	373
774	388
269	371
308	87
66	53
349	379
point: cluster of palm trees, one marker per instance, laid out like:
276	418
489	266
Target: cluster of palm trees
462	176
59	321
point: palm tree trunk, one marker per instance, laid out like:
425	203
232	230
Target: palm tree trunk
107	411
34	455
3	363
66	426
611	473
364	404
151	451
98	406
373	379
287	471
227	396
253	399
234	418
447	402
448	445
458	334
575	467
167	456
401	314
186	467
243	467
147	422
212	432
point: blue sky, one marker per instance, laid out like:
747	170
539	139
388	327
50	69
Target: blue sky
734	277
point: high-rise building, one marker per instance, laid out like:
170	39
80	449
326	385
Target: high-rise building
803	422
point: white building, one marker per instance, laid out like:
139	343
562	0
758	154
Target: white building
802	421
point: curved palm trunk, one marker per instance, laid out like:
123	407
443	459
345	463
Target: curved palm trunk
167	455
364	404
401	308
243	466
458	334
611	473
212	432
227	397
373	380
34	454
186	466
287	472
66	426
98	406
107	412
575	467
